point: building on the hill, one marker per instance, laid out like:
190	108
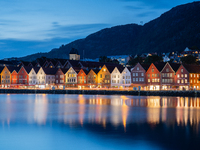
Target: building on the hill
74	55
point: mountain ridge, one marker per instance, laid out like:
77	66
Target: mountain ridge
174	30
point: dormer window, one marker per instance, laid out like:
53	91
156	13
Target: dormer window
137	68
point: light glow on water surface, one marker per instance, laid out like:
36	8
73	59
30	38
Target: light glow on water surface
49	122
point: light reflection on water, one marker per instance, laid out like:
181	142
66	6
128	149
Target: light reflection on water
98	122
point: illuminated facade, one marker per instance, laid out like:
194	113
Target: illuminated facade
71	77
104	77
92	78
82	78
116	77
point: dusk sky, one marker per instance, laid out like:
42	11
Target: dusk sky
31	26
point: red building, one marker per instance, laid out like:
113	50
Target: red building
138	75
14	77
23	75
182	78
153	76
168	74
82	78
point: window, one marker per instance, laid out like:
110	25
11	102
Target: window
133	79
178	81
182	81
170	74
152	75
56	76
148	75
100	75
133	74
149	80
152	80
136	79
152	70
61	76
167	70
178	76
163	80
185	80
136	74
142	74
182	70
158	75
190	75
138	68
194	75
163	75
181	75
185	75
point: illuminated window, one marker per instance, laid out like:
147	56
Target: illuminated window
182	81
185	80
152	70
152	75
178	81
178	75
185	75
194	81
181	75
152	80
158	80
190	75
149	80
194	75
170	74
190	81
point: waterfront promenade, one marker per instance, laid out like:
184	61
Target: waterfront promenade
102	92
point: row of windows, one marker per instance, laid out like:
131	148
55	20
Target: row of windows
91	76
194	75
106	76
194	81
5	81
61	81
6	77
81	81
127	82
80	77
115	76
71	80
61	76
115	81
167	80
71	75
166	74
138	79
127	77
153	75
154	80
182	81
136	74
91	81
182	75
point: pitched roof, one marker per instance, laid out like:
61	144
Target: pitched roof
36	69
64	70
192	68
1	69
174	66
145	66
11	69
159	65
50	71
96	70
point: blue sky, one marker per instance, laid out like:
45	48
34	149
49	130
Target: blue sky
31	26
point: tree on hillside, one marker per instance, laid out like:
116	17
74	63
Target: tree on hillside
153	59
190	59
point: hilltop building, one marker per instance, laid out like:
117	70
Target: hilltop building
74	55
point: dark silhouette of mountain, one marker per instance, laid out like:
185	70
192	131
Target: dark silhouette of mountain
172	31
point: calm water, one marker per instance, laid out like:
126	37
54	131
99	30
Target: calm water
92	122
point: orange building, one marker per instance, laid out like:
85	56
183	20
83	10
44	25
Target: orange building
6	75
92	78
82	78
1	69
104	76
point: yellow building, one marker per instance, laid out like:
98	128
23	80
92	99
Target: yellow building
104	76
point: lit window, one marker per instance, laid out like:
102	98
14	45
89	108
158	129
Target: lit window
182	81
178	81
185	80
190	75
181	75
152	70
152	80
181	70
185	75
190	81
148	80
194	75
178	75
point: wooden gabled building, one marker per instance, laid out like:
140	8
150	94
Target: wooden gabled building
92	78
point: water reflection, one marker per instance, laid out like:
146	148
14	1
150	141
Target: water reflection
160	117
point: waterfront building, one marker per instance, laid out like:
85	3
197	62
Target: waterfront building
116	77
82	78
182	78
153	76
138	75
126	77
104	76
41	77
14	77
168	75
50	76
6	75
60	77
23	75
92	78
33	80
194	76
71	77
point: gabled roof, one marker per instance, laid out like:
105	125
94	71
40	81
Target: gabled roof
64	70
145	66
11	69
110	68
96	70
36	69
50	71
192	68
159	65
28	69
174	66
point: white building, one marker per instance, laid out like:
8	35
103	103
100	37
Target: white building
33	80
116	77
126	77
71	76
41	78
